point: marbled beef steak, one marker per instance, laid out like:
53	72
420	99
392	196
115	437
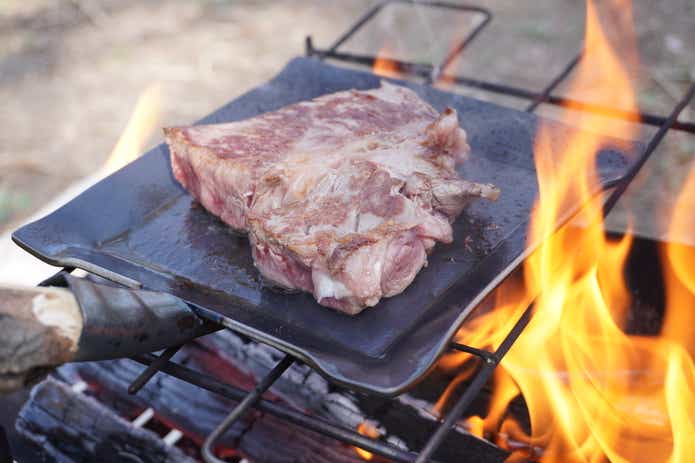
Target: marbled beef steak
342	196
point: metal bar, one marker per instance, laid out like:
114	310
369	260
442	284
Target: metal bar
364	19
627	115
651	147
555	82
433	72
445	5
473	389
312	423
402	67
152	369
451	56
488	356
240	410
615	113
424	70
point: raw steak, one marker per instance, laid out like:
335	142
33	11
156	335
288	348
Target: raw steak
342	196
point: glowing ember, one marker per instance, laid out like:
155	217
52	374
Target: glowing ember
593	392
142	124
369	430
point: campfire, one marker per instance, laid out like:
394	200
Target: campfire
593	390
583	352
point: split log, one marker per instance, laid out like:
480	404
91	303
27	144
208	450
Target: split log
67	426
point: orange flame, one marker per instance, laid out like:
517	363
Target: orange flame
366	429
594	393
384	64
141	125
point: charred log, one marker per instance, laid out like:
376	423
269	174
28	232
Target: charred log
196	412
71	427
406	423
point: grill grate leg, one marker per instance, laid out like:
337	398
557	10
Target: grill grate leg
152	369
240	410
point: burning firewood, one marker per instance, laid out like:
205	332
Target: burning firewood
262	437
87	430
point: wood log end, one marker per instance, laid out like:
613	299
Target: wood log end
39	329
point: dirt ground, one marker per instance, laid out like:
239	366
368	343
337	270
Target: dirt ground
71	72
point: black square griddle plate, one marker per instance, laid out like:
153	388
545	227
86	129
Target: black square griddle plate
139	225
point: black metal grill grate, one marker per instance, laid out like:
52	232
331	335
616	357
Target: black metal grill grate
429	74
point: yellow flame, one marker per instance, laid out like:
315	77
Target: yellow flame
141	125
679	320
680	384
679	270
594	393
